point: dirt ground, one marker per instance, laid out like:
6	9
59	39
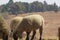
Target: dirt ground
52	23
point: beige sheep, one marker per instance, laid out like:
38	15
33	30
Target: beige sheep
14	22
4	29
28	24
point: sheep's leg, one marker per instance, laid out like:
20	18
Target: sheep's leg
34	32
41	31
20	35
5	36
27	38
15	37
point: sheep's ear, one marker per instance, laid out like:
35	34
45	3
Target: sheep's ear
30	22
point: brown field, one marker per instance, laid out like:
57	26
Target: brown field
52	22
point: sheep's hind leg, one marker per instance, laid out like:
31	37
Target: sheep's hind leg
34	32
27	38
41	31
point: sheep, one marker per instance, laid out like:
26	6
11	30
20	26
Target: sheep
28	24
13	25
4	29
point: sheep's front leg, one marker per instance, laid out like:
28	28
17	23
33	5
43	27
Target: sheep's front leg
15	36
5	36
34	32
27	38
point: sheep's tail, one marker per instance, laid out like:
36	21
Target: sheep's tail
43	25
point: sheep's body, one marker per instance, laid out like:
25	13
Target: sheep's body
31	22
28	24
4	29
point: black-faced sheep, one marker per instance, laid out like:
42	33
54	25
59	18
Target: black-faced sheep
4	29
28	24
